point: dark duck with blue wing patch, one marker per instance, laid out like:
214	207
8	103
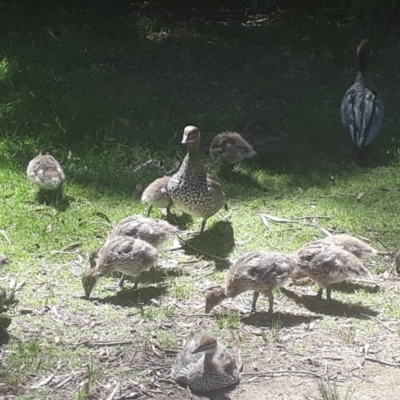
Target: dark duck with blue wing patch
362	106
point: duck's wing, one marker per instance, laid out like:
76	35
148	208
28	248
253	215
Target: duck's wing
362	115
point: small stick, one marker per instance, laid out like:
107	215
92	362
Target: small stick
289	372
112	343
5	236
111	396
379	322
390	364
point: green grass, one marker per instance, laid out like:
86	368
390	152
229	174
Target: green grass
105	90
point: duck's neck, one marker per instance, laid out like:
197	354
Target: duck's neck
363	62
192	164
193	150
208	361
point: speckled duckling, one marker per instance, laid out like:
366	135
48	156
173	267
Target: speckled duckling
205	365
3	295
156	195
189	188
256	270
230	148
351	244
152	231
329	264
46	172
124	254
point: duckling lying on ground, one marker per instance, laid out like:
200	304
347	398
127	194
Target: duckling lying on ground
189	188
230	148
3	295
156	195
257	132
256	270
45	171
329	264
213	370
124	254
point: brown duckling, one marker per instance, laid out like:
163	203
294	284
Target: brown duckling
156	195
329	264
205	365
45	171
256	270
257	132
124	254
230	148
189	188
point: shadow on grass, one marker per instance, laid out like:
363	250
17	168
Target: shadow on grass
352	287
54	198
330	307
4	335
281	320
215	243
132	297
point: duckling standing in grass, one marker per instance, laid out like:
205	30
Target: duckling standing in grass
152	231
256	270
329	264
213	370
3	295
189	188
45	171
351	244
156	195
362	108
124	254
230	148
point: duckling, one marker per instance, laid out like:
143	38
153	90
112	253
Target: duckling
230	148
362	108
257	132
329	264
152	231
256	270
156	195
124	254
4	260
351	244
189	188
45	171
3	295
214	370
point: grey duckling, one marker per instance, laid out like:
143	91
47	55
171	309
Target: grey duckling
123	254
329	264
362	108
46	172
350	243
189	188
152	231
204	364
256	270
156	195
230	148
